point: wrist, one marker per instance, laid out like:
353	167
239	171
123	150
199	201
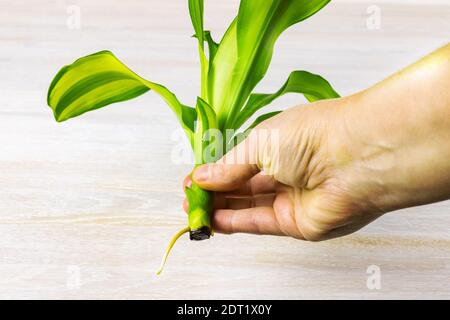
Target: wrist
398	153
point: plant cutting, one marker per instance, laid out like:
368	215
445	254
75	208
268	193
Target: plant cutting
230	71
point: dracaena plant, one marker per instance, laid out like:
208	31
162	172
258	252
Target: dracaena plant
230	70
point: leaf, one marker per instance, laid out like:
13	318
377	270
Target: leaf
100	79
313	86
207	121
245	51
196	13
212	45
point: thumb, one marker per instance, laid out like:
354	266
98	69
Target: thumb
233	170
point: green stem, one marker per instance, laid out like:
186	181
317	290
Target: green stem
200	207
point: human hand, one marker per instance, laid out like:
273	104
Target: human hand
293	181
327	169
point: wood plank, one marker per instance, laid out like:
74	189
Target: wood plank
87	207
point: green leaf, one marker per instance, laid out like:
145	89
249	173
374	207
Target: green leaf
246	50
100	79
196	13
212	45
313	86
207	121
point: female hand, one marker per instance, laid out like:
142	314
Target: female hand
327	169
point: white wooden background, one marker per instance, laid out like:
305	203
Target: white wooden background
87	206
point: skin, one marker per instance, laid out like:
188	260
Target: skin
327	169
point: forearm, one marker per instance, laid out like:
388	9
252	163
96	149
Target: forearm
400	133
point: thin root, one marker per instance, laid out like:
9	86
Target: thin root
171	243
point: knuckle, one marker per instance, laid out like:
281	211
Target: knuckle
255	227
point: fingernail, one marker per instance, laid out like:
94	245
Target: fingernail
187	183
201	173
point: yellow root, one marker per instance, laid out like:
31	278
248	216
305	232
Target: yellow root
171	243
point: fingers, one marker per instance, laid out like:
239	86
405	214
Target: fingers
219	201
233	170
222	201
245	202
257	185
260	220
187	182
258	191
223	177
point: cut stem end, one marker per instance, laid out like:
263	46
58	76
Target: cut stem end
200	234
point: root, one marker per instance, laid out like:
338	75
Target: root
171	243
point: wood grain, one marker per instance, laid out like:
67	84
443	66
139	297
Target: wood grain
87	206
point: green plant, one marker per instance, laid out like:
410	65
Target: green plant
229	73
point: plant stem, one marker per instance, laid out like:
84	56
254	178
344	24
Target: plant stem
200	207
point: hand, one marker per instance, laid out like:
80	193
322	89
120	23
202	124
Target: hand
304	193
327	169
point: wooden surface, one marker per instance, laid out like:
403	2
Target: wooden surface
87	206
